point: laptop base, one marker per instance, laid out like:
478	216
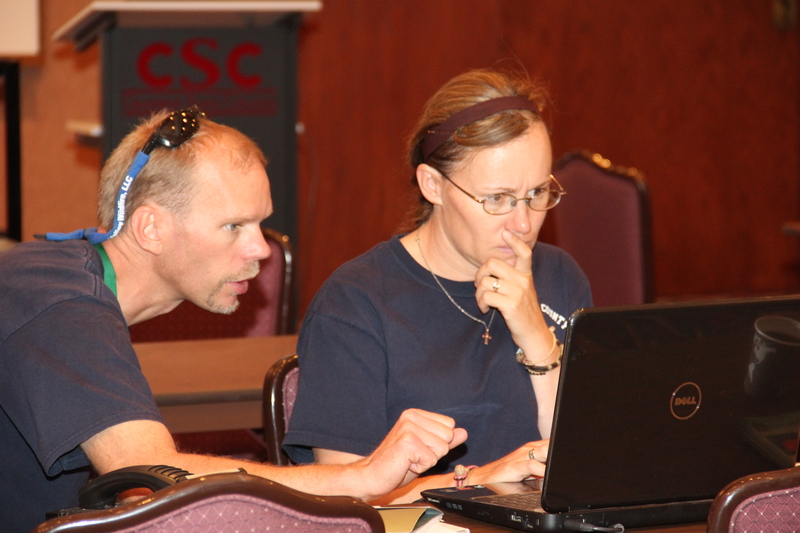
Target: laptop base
470	502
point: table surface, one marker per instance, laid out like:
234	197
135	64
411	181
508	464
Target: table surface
217	370
211	385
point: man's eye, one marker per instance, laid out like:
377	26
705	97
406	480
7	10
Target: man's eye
495	198
537	193
232	227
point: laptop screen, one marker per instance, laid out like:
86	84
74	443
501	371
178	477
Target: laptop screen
663	403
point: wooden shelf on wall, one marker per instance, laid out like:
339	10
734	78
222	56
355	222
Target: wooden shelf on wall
85	26
20	33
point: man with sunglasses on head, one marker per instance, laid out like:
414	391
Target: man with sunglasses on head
180	206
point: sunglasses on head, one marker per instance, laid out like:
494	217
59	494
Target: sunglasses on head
175	130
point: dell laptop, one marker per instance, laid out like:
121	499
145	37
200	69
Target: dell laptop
659	407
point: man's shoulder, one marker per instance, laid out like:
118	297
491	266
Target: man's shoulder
57	261
37	275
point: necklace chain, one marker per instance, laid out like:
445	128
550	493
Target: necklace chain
486	326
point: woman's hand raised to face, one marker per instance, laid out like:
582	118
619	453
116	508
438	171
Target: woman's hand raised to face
510	290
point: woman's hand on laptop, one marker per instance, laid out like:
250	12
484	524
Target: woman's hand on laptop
523	463
539	451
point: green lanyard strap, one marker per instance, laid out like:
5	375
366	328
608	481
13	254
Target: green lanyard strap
109	276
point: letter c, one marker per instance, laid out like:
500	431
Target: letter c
143	65
232	66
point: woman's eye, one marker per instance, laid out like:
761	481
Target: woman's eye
232	227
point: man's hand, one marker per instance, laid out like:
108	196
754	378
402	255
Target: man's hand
416	442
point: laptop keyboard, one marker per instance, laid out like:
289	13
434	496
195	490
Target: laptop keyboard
528	501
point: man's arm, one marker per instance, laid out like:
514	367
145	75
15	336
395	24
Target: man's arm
416	442
516	466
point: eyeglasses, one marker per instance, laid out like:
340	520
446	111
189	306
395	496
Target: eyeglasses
175	130
539	199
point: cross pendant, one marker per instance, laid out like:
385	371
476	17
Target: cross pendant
486	336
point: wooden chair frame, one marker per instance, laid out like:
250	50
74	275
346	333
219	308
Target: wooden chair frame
634	178
731	497
180	495
275	422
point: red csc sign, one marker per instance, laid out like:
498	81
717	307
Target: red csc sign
198	55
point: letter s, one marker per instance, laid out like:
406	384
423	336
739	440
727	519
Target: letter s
194	59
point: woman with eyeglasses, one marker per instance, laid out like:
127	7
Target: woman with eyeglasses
463	315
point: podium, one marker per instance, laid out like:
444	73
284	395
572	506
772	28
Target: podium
237	60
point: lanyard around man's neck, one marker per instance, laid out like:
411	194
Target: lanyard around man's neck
109	276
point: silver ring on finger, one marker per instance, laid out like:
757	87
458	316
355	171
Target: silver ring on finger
496	285
532	454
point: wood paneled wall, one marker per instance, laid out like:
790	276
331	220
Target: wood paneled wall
703	97
59	174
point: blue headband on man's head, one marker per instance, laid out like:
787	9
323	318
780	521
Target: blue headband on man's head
175	130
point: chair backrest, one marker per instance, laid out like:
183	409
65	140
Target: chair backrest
768	502
280	390
226	503
604	223
266	308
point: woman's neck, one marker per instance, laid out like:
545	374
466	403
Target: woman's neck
430	247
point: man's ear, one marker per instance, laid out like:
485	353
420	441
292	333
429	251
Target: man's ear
149	225
430	183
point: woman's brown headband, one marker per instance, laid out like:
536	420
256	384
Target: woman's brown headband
440	134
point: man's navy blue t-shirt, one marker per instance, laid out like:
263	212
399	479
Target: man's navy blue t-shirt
67	372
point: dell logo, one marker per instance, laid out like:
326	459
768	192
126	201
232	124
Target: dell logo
689	400
685	401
